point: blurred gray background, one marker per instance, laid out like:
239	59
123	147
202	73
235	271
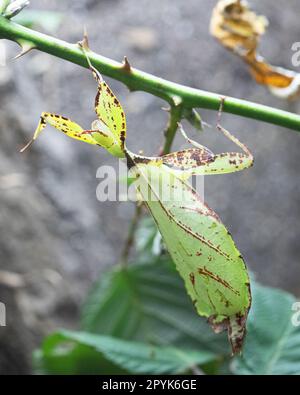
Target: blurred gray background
55	238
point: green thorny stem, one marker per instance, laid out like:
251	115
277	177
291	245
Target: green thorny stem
138	80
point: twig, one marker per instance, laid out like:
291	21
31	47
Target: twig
131	233
139	80
175	115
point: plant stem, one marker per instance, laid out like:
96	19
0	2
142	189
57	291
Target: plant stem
170	132
130	236
139	80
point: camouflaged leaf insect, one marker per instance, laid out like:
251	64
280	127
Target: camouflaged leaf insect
203	251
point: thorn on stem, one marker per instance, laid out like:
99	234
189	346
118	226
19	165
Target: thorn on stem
85	41
26	47
126	65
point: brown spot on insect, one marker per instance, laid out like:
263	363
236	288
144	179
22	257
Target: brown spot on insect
232	162
122	137
197	158
108	90
97	97
198	253
192	279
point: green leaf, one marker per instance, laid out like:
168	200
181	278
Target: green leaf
145	241
65	350
62	355
272	343
148	302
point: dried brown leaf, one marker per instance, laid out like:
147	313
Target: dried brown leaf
239	29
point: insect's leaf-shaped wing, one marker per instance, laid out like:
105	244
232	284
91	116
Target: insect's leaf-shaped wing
202	249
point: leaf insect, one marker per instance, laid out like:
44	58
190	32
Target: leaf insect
201	247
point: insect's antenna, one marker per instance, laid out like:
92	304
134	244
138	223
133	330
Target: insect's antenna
221	108
190	141
84	46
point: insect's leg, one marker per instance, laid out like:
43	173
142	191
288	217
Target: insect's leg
65	125
40	127
85	48
193	142
229	162
234	139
